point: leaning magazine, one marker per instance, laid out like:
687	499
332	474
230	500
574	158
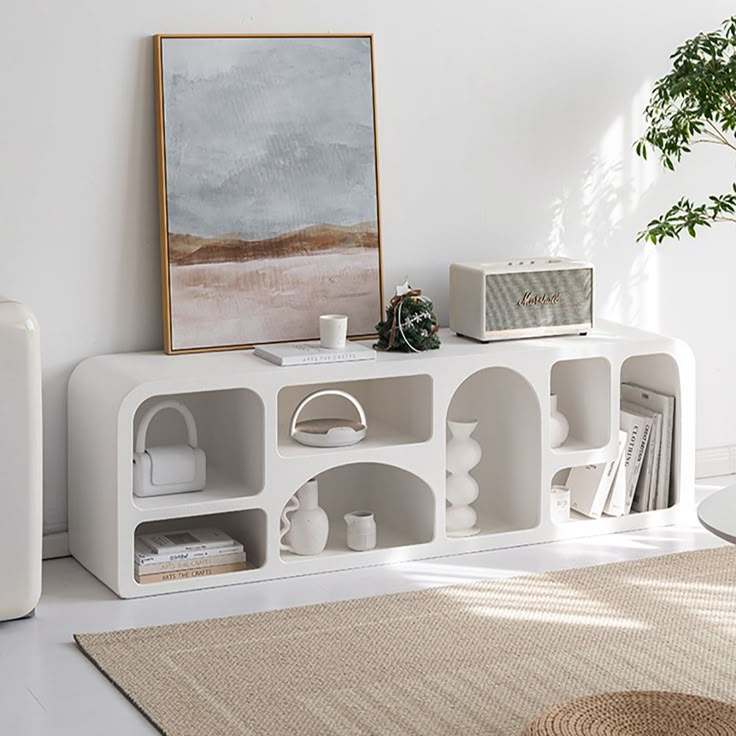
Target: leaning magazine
616	501
665	405
637	428
647	483
590	484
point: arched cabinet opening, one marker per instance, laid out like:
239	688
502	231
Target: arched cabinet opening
508	469
401	503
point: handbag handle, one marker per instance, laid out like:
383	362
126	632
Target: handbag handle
320	394
140	438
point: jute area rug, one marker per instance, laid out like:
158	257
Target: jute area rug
482	658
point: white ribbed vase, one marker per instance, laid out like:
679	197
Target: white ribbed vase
463	454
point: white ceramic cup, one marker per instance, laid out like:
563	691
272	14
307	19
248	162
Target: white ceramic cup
333	330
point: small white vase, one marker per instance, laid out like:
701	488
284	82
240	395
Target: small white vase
361	533
304	525
463	454
559	427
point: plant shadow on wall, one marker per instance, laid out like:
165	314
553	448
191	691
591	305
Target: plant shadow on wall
597	213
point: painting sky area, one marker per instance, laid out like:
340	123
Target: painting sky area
265	136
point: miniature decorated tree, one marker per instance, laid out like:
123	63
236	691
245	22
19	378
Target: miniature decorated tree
410	325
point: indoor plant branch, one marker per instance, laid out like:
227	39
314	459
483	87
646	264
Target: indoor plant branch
695	103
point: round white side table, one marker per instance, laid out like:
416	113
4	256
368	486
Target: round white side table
718	514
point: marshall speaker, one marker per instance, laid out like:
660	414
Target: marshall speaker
537	297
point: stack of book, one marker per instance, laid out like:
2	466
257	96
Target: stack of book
638	479
186	553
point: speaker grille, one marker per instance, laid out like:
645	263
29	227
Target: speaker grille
539	299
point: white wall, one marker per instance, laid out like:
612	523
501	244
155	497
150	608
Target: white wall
505	128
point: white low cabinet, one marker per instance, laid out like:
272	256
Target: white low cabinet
243	405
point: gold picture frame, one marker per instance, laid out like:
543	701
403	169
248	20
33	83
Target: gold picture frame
267	225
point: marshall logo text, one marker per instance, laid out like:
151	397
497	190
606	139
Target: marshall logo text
530	299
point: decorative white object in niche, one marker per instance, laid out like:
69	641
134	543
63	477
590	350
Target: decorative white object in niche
402	505
583	390
304	525
328	431
461	490
164	469
361	530
509	435
559	427
230	432
398	410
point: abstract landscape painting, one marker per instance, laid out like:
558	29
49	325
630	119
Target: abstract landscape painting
269	191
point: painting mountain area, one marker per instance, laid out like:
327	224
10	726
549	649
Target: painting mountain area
270	185
280	285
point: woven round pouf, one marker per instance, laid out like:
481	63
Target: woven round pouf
637	713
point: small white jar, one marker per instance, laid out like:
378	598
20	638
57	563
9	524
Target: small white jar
361	530
559	504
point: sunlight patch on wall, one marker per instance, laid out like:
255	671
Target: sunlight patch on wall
602	187
557	231
596	216
644	173
634	298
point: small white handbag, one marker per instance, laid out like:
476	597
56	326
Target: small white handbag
158	471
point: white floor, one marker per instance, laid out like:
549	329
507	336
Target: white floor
48	687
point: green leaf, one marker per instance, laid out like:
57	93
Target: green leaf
694	102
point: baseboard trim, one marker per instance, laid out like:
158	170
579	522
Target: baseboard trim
713	461
55	545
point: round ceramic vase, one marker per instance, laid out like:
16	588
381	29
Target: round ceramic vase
559	427
304	525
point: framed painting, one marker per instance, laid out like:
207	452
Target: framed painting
268	183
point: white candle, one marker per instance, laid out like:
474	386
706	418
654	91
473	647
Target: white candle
559	504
